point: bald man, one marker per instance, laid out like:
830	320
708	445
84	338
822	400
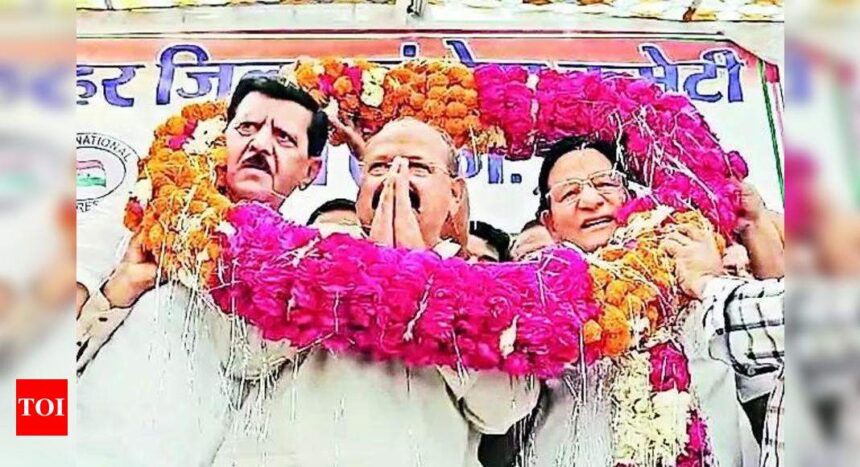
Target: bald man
326	410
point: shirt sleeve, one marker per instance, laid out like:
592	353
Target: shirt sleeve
491	401
94	327
745	323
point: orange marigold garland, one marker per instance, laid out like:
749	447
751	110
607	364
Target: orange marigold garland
176	204
632	279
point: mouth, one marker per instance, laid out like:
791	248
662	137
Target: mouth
257	162
597	222
414	199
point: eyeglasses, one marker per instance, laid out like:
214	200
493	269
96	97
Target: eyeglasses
607	183
417	168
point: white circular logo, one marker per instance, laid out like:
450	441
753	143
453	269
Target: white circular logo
101	167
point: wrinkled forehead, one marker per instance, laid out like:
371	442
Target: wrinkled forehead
413	140
579	164
535	234
257	107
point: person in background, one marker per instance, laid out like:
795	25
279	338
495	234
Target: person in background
336	211
533	237
336	216
158	379
326	409
487	243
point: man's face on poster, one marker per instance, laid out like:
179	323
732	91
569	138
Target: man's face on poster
585	195
267	149
434	191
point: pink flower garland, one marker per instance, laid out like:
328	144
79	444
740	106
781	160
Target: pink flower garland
669	146
411	306
505	101
670	370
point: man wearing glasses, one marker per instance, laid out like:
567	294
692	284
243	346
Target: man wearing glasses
329	410
581	189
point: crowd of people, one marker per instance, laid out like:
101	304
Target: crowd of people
160	381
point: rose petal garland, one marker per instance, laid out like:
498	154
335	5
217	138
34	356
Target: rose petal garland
505	101
669	146
412	306
510	111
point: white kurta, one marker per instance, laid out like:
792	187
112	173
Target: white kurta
576	428
341	410
154	394
327	410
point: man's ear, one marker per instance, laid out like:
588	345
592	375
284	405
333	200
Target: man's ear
547	221
458	192
313	169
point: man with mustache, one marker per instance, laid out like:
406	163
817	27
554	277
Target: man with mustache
156	389
326	409
581	190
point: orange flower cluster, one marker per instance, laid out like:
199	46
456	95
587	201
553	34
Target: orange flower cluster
176	204
439	92
633	280
355	86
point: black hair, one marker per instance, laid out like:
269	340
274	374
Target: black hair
337	204
531	224
271	87
498	240
609	149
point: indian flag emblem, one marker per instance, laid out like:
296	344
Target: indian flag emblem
91	173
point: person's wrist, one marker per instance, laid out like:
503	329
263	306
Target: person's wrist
119	291
753	225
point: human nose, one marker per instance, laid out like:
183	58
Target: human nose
263	139
590	198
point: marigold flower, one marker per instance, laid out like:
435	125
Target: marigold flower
455	93
417	101
470	98
437	80
591	332
455	127
332	66
456	110
175	125
433	108
437	93
342	86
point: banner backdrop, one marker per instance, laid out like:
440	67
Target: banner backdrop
127	85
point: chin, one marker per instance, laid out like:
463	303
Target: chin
249	192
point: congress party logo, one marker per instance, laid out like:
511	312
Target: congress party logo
102	166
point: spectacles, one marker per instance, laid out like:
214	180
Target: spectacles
416	168
607	183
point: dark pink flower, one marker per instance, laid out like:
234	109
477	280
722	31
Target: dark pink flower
669	368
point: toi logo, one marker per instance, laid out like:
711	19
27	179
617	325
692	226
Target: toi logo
41	407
